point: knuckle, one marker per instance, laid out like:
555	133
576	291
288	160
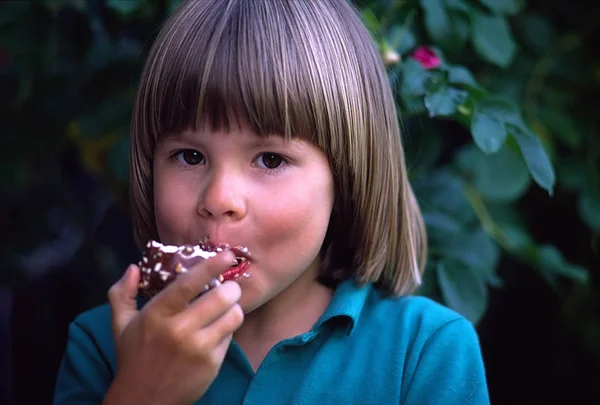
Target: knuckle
223	296
186	285
202	346
151	323
177	334
237	316
231	321
146	321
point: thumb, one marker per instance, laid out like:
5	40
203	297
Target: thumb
121	297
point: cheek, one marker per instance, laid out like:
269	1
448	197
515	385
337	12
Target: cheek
297	216
173	204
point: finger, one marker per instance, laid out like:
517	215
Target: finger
223	327
121	297
222	347
211	305
215	353
189	285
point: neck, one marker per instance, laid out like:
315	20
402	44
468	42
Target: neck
287	315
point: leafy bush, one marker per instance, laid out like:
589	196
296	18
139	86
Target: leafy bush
484	66
498	105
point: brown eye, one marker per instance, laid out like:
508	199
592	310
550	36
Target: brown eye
190	157
271	160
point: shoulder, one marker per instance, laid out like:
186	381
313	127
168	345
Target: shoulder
418	324
91	332
94	326
94	315
95	320
89	360
429	325
440	351
420	314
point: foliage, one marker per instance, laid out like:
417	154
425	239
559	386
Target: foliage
510	91
506	113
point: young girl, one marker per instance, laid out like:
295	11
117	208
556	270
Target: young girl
271	124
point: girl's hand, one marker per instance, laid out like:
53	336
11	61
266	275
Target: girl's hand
171	351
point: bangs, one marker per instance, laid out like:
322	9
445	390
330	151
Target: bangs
233	64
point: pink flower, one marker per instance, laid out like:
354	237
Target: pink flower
426	57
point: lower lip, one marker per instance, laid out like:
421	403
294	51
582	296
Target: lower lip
234	273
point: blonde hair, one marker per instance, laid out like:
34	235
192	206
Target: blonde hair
298	68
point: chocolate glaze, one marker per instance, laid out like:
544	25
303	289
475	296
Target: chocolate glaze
161	264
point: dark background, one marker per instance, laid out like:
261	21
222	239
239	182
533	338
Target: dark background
68	72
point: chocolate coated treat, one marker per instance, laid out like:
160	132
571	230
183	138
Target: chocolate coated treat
161	264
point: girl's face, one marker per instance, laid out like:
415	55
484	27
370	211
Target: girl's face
271	195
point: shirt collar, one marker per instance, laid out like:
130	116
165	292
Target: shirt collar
346	304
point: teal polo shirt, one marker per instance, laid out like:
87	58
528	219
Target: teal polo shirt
365	349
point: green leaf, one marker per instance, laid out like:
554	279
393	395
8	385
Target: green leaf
495	281
440	223
423	145
509	85
444	100
500	177
533	152
552	262
492	38
443	192
402	39
462	290
414	78
173	4
458	5
445	28
474	249
461	75
437	21
517	237
441	99
589	209
508	7
462	27
125	7
487	125
413	104
535	156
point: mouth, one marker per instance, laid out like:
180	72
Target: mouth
241	263
237	270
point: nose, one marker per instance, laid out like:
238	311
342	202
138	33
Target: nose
221	198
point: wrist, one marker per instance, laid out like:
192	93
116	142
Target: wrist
118	395
123	395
